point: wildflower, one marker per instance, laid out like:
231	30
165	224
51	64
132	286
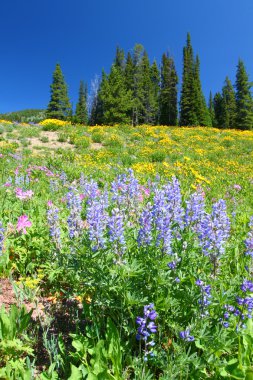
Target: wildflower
23	222
174	200
249	241
146	328
204	300
162	217
23	195
195	208
213	232
53	223
74	221
237	187
97	222
145	221
116	231
1	237
185	335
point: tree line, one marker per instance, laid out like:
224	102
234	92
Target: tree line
136	91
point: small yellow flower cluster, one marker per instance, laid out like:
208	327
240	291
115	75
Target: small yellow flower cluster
60	123
7	122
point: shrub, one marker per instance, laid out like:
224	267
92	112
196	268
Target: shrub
158	156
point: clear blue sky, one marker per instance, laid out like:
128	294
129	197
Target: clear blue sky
82	36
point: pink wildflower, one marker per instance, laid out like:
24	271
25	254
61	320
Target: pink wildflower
237	187
23	222
23	195
7	184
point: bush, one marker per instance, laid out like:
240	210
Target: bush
97	137
158	156
114	141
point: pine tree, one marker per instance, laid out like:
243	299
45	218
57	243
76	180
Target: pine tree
193	109
116	99
218	106
155	82
229	104
59	106
168	94
119	60
200	102
188	100
211	109
130	83
244	108
138	95
81	115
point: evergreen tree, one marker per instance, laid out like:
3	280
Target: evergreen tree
155	81
229	104
218	106
188	100
119	58
146	94
59	106
168	94
116	99
138	95
130	83
211	109
244	109
81	115
193	109
199	101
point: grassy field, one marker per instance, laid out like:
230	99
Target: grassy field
126	253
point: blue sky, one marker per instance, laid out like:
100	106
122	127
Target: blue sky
82	36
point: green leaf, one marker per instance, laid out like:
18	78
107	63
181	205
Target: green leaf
76	374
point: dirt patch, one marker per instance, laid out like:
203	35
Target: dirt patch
8	298
96	146
52	143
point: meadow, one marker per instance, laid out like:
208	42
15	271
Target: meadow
126	252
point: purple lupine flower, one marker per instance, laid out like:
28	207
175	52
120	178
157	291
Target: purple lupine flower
185	335
116	231
145	231
205	298
247	285
213	232
172	265
1	237
162	220
146	328
63	178
249	240
174	200
53	185
89	187
195	209
244	308
97	221
74	220
126	191
53	223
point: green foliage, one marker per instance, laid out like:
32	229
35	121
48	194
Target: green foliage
81	115
59	106
218	106
25	116
168	94
115	98
244	103
193	109
229	104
